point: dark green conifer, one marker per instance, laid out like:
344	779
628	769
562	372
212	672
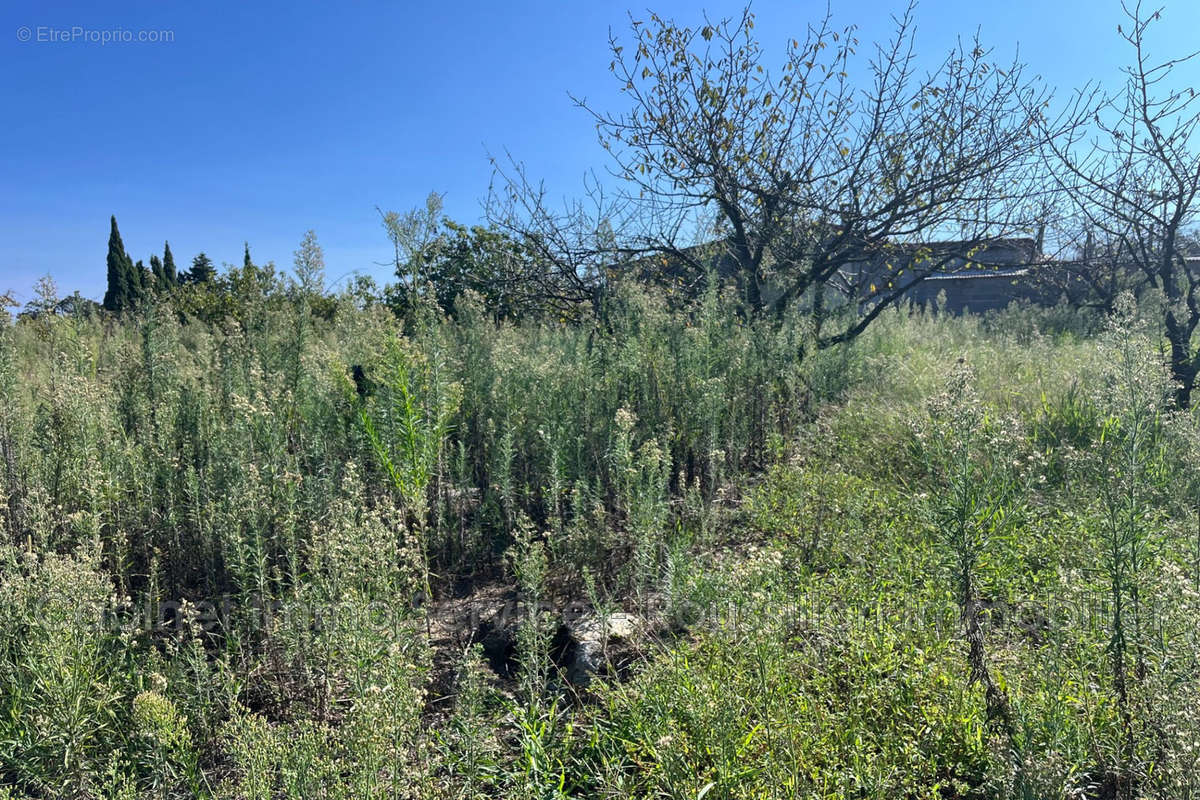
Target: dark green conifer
156	271
169	266
121	291
202	270
141	280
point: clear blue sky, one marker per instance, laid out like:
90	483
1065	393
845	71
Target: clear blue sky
262	120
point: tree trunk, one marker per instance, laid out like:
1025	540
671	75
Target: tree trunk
1183	370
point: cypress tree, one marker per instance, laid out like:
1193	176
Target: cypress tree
169	266
156	270
120	293
141	280
246	262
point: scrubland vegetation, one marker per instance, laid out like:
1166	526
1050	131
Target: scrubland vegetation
957	558
583	507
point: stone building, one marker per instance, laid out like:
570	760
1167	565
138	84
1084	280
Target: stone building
956	277
966	277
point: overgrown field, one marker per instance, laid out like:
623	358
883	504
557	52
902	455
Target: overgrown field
309	553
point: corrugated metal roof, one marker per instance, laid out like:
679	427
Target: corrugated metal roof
978	274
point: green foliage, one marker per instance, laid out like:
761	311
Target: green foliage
1129	470
806	509
773	716
258	551
490	264
169	271
309	262
202	270
415	242
63	678
408	420
156	271
974	461
1065	424
168	743
441	261
124	280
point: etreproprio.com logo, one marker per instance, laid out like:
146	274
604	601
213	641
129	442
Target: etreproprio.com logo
79	34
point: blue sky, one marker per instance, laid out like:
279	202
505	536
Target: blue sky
262	120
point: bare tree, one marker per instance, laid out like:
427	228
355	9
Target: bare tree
810	180
1129	165
573	247
1087	268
